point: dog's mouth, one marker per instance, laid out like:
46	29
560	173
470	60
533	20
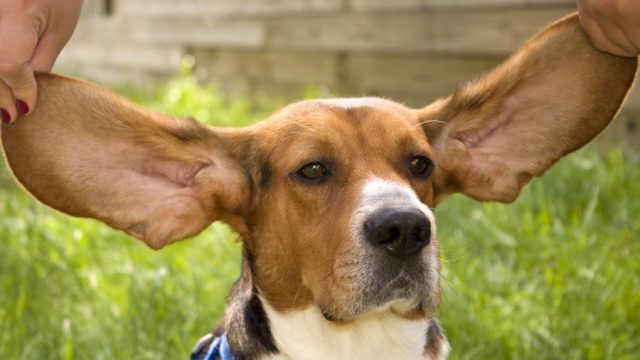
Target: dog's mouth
406	289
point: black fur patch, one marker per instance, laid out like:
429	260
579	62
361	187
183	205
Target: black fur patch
258	324
266	175
328	316
246	323
251	261
437	344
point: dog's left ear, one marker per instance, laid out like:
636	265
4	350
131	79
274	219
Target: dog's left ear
548	99
88	152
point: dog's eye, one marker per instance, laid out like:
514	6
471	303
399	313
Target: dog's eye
420	166
314	171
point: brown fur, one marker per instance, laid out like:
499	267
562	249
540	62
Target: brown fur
306	227
548	99
90	153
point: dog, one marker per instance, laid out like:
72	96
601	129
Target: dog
333	199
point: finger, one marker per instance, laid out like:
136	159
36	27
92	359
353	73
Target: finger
610	17
599	38
15	68
618	36
7	104
613	18
631	39
23	86
628	22
633	34
46	53
54	39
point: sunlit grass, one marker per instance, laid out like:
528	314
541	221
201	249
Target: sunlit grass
555	275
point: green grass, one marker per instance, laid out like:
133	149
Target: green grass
555	275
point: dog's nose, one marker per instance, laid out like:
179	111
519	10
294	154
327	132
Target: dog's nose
400	232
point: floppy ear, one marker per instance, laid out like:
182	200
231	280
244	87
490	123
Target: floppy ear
90	153
548	99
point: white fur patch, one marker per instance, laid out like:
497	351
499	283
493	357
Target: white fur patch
307	335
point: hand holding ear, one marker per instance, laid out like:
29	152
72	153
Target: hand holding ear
32	34
613	26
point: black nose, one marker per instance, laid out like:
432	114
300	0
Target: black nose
400	232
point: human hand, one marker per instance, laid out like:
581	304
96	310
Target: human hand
612	26
32	34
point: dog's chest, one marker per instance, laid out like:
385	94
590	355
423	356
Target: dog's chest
305	334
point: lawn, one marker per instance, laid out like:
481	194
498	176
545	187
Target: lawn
556	275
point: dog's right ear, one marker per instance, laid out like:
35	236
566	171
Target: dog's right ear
552	96
90	153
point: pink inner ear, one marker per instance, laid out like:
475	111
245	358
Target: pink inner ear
159	202
499	148
175	171
153	196
482	128
472	137
178	214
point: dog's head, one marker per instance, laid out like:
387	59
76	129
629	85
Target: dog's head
340	215
333	198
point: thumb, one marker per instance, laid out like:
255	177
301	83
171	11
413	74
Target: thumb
49	47
15	67
23	84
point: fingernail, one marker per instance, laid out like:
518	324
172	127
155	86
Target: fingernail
6	117
22	107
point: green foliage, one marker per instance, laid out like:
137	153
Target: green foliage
185	96
553	276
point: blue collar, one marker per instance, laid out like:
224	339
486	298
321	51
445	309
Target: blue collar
208	349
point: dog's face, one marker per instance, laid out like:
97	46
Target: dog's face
342	219
332	198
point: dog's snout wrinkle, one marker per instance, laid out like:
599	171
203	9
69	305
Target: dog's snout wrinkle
401	232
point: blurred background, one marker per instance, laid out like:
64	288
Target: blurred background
554	275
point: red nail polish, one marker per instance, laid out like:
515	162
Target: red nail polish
6	117
22	107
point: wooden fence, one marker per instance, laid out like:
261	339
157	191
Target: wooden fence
413	51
